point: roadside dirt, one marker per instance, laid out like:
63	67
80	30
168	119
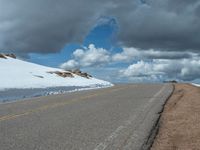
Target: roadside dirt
180	120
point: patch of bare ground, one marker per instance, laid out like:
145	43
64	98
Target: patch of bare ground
180	120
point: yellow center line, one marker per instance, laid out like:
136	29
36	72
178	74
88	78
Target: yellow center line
51	106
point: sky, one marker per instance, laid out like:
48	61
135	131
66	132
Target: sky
115	40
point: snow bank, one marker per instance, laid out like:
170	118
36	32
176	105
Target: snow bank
20	79
198	85
18	74
10	95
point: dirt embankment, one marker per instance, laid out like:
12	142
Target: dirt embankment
180	121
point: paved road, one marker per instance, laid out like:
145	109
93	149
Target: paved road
115	118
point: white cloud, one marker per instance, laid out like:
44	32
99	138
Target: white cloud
149	65
88	57
127	54
139	69
160	70
142	71
71	64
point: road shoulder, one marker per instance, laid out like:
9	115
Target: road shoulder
179	126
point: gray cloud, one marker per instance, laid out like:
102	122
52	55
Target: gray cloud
131	54
46	26
169	25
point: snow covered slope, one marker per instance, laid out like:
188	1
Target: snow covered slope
18	74
198	85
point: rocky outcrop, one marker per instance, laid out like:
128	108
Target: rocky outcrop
11	55
63	74
70	73
7	55
2	56
79	73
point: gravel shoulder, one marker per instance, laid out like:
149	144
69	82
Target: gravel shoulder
180	122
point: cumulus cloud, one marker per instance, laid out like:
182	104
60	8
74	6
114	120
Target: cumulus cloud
161	70
88	57
144	65
70	65
141	72
46	26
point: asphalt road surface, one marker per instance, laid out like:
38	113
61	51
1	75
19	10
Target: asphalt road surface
117	118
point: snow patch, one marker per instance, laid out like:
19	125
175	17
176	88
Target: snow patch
198	85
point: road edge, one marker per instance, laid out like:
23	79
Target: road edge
156	126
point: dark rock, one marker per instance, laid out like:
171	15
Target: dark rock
2	56
11	55
62	74
82	74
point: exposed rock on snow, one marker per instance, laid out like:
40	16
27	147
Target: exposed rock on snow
63	74
7	55
82	74
71	73
11	55
2	56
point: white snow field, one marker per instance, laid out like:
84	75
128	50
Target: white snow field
198	85
18	77
18	74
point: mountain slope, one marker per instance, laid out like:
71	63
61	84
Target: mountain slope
18	74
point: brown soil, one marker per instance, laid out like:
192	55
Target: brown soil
180	121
